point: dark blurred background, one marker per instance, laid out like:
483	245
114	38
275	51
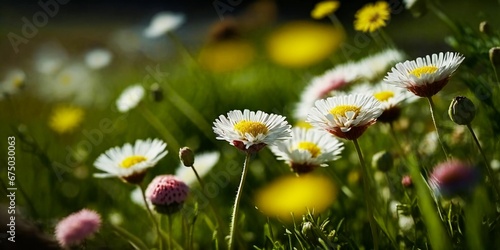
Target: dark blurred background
78	20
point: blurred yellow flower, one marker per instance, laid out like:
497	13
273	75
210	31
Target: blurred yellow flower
226	55
65	119
296	195
372	17
324	8
303	124
300	43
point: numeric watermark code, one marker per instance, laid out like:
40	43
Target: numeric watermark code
11	187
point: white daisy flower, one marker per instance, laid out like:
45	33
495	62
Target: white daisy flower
130	98
322	86
203	163
391	98
345	116
74	82
13	82
162	23
130	163
98	58
250	131
425	77
50	58
308	149
374	66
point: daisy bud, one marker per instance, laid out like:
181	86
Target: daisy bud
406	181
156	92
453	178
485	28
462	110
308	231
76	227
382	161
167	194
187	156
495	56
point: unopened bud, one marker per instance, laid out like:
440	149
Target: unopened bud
156	92
382	161
485	28
462	110
187	156
308	231
495	56
406	181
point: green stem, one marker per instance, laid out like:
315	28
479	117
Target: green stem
169	217
234	217
493	180
181	47
220	223
401	151
378	40
368	196
153	219
438	237
387	38
190	112
132	239
431	104
441	15
172	143
336	22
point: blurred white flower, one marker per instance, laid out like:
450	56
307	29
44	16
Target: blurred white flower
203	163
13	82
98	58
50	58
162	23
75	82
375	66
130	98
136	197
322	86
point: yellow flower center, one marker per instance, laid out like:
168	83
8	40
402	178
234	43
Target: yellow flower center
132	160
251	127
18	82
311	147
65	79
341	110
423	70
383	95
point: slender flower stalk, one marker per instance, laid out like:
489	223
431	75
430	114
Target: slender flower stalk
432	107
392	131
441	15
493	180
153	219
189	111
234	217
158	125
170	218
220	223
438	237
368	199
249	131
130	237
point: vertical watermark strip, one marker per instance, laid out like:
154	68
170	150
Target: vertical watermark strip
11	189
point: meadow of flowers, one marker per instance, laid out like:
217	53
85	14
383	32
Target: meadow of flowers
376	130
